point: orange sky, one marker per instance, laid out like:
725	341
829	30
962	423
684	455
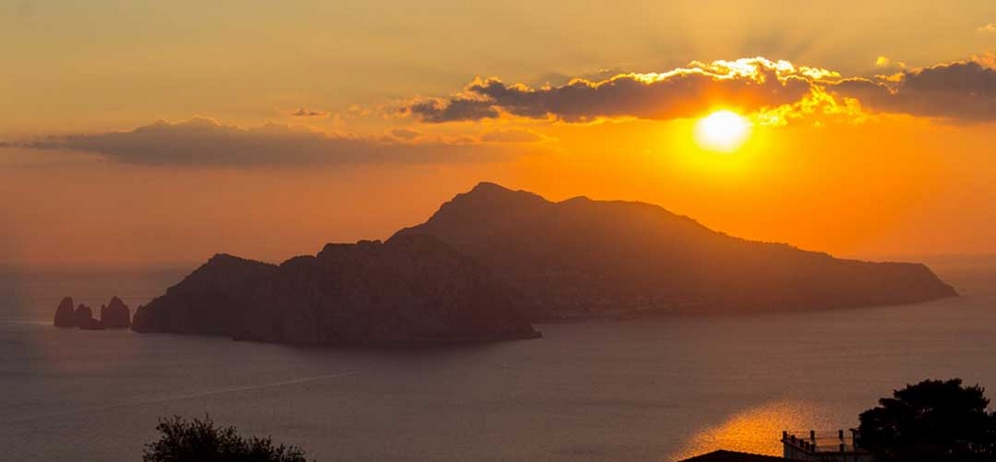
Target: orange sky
866	141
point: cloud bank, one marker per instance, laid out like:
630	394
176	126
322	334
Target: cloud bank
960	91
747	84
202	141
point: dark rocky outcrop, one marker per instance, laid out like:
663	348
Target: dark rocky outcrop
115	315
408	290
582	257
65	316
83	318
211	300
82	315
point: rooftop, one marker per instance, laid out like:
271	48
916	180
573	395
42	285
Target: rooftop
732	456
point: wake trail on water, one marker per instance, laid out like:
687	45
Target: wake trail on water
185	396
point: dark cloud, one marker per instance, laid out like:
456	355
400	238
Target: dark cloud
308	113
959	91
205	142
677	96
452	110
748	84
963	91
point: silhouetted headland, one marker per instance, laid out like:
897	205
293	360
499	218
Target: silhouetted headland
582	257
407	290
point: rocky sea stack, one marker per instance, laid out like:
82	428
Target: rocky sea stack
408	290
83	317
115	315
65	316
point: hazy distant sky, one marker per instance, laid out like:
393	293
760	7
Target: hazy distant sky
141	131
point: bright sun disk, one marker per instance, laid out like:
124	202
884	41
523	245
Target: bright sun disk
722	131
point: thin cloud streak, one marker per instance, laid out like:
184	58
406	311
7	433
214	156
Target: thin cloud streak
205	142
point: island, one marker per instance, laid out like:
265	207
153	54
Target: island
491	261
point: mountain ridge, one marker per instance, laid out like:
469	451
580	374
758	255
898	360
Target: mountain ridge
581	257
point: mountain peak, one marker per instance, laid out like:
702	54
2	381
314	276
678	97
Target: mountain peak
486	186
493	195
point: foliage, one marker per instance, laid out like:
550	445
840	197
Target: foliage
934	420
201	441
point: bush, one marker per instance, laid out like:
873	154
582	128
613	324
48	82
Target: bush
932	421
201	441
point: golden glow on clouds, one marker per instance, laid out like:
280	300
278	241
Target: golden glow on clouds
757	69
722	131
818	107
773	92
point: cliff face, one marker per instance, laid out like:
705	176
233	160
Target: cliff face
211	300
411	289
585	257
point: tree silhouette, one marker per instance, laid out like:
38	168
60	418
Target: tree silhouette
201	441
934	420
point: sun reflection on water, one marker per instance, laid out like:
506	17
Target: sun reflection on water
756	430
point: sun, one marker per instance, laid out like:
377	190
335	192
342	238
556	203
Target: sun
722	131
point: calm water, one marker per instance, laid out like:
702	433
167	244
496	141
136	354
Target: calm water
643	390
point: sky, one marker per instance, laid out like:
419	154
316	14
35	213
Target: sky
156	133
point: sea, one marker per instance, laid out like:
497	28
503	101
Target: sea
636	390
